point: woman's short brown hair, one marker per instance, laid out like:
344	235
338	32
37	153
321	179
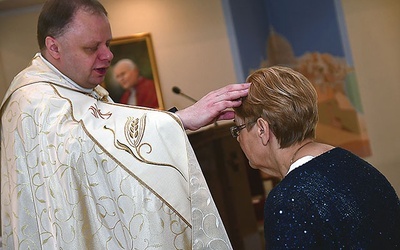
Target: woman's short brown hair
286	100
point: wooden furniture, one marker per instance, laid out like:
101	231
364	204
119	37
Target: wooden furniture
225	168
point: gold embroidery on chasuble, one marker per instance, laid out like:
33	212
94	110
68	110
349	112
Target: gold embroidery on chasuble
96	112
134	130
81	172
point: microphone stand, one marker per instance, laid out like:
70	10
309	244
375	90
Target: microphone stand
178	91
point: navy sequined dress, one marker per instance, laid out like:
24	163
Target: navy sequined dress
335	201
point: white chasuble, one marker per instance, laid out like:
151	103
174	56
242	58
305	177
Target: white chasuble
81	173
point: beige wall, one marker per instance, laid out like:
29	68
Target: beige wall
192	50
17	43
190	42
374	34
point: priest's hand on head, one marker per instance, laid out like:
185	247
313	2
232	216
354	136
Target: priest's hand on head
214	106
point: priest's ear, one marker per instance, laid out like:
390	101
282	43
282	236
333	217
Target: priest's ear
52	47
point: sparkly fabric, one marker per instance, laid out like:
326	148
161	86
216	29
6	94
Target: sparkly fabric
335	201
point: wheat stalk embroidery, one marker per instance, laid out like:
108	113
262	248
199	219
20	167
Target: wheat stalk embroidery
134	131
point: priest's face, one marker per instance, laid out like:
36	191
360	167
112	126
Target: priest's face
84	53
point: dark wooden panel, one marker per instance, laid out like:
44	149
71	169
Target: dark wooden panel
225	168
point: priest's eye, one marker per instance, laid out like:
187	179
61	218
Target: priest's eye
91	49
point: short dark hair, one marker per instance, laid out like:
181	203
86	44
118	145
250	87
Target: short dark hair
57	14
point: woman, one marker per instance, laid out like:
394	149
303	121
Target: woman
328	198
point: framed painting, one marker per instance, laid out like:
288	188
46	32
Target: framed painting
132	77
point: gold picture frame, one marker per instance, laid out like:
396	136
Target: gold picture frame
138	48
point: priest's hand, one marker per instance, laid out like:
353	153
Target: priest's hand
214	106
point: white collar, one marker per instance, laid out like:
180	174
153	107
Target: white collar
68	80
300	162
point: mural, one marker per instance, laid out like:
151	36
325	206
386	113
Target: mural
309	36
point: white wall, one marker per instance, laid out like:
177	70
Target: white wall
192	51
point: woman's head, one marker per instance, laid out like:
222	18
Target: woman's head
285	99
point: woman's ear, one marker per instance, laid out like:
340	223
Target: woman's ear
52	47
263	130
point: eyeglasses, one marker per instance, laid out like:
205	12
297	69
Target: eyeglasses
236	129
